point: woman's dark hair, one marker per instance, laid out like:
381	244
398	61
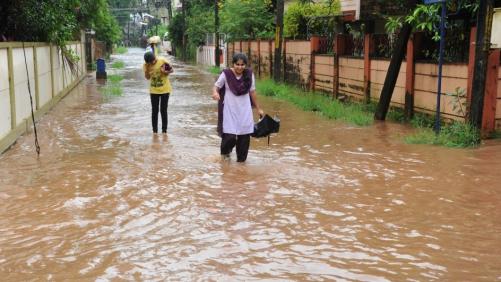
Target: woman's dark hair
239	56
149	57
247	74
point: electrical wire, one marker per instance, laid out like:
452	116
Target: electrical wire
37	146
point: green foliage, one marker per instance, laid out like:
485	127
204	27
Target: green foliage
324	105
123	17
95	14
496	134
238	20
393	24
112	87
214	70
92	66
456	135
115	78
176	30
159	30
112	90
396	114
56	21
458	101
39	20
421	120
427	17
118	65
121	50
199	23
306	17
247	19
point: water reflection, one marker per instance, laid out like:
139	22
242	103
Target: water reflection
107	200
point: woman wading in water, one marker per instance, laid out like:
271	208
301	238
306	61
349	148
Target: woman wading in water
235	91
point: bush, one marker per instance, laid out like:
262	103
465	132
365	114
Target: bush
456	135
112	87
118	65
214	70
316	102
121	50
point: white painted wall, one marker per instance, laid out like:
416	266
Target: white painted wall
21	90
22	59
57	69
44	71
496	29
205	56
351	5
5	116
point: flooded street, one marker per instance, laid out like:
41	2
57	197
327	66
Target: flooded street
326	201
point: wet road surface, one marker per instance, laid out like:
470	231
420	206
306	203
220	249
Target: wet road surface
326	201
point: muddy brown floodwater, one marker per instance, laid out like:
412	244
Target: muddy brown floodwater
326	201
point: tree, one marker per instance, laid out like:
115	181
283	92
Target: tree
304	17
95	14
421	17
56	21
239	19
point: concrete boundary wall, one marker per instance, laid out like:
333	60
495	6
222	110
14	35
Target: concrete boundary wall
49	80
363	78
206	56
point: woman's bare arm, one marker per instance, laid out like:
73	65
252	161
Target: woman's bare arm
215	93
254	102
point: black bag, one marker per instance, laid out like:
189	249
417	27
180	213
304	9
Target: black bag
266	126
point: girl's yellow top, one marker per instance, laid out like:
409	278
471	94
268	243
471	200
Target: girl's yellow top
159	82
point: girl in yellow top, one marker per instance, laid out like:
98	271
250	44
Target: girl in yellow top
157	70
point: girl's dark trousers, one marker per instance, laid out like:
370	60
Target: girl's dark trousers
156	100
242	143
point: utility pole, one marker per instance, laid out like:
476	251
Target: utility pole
169	10
128	33
394	69
216	43
482	46
183	10
278	40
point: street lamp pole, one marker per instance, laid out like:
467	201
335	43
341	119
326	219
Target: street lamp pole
278	40
216	43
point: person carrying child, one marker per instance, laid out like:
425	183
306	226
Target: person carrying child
157	70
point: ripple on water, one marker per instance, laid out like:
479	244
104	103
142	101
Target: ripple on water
109	201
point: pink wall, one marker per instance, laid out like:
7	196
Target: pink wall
324	73
351	77
299	66
498	104
425	87
378	75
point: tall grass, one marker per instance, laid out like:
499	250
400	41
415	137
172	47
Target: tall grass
112	87
316	102
121	50
118	65
456	134
214	70
115	78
